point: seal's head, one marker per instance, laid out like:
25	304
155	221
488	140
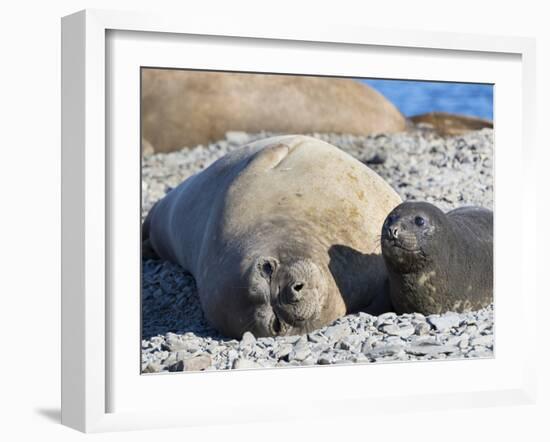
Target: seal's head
408	236
288	295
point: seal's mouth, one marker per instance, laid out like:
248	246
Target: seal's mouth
278	326
287	316
283	321
397	244
402	247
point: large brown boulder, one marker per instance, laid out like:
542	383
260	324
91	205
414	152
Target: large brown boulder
185	108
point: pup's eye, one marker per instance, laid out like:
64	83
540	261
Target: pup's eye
419	221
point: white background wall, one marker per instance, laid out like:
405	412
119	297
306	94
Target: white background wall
30	214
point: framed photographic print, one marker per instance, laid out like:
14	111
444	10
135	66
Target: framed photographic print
263	249
251	210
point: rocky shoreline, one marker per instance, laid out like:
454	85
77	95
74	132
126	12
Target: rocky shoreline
449	172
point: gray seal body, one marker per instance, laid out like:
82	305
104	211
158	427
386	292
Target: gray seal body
438	262
281	235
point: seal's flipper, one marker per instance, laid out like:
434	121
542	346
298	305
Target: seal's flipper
268	158
147	250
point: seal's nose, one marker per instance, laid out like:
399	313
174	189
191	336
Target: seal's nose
393	232
292	294
391	228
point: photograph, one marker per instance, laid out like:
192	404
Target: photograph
306	220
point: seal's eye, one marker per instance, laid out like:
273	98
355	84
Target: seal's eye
419	221
267	268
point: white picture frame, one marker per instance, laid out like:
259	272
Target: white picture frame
87	209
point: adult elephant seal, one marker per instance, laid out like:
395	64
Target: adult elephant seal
438	262
446	124
185	108
278	235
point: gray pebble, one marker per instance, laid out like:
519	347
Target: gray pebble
316	338
324	360
197	363
237	138
172	358
291	339
267	342
382	351
454	340
377	158
239	364
395	330
480	353
336	332
353	340
181	355
422	328
344	345
486	340
444	322
385	318
425	339
300	352
430	350
152	367
178	366
248	339
283	350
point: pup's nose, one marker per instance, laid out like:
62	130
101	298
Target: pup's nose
390	225
393	232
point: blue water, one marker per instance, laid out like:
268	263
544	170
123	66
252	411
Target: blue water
419	97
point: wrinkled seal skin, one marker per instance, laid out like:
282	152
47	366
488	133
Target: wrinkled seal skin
438	262
277	235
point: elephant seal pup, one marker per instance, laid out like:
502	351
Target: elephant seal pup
438	262
276	235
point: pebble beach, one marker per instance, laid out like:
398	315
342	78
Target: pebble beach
449	172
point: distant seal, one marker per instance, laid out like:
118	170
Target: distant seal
182	108
438	262
446	124
277	235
